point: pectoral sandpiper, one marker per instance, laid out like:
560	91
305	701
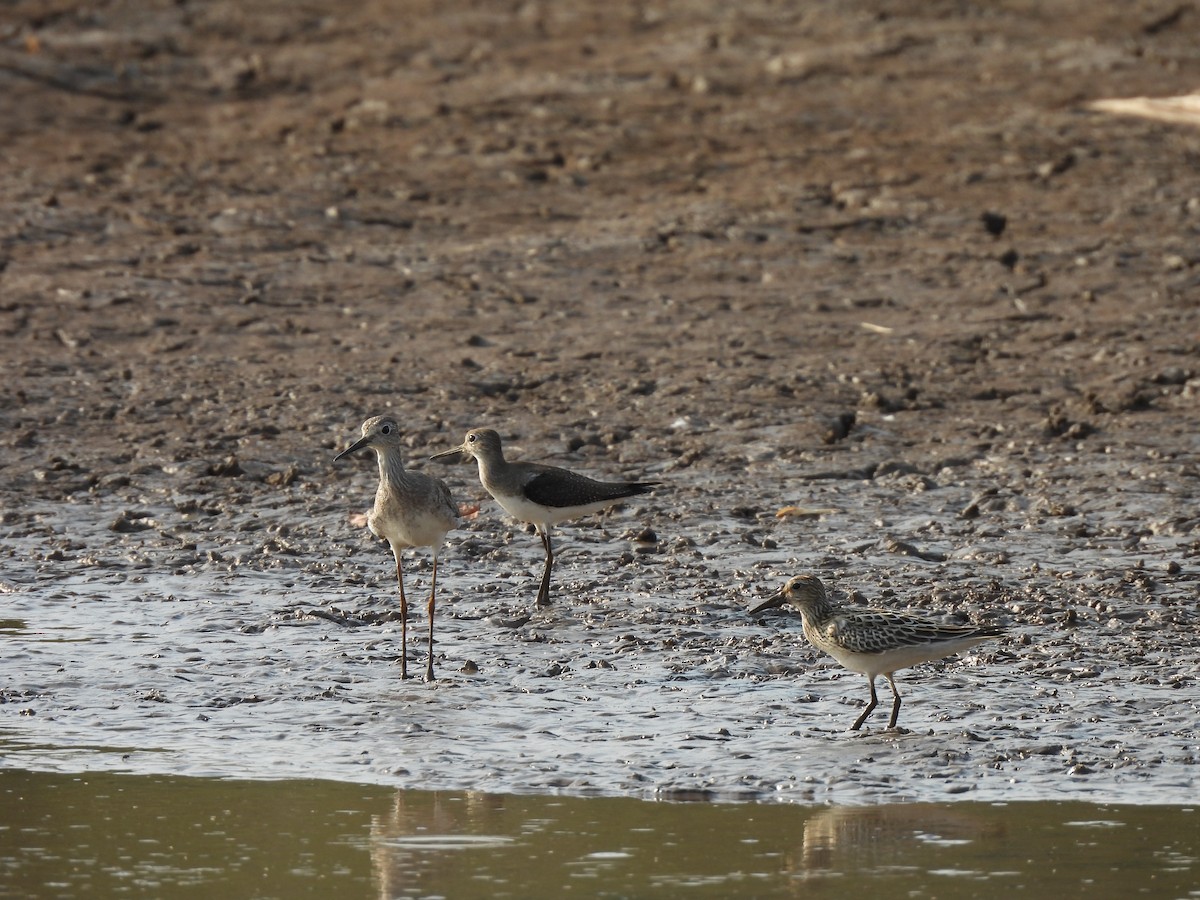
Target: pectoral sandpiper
873	641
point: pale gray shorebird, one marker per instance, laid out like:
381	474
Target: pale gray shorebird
873	641
411	510
539	494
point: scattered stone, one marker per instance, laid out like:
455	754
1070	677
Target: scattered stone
129	521
994	223
839	427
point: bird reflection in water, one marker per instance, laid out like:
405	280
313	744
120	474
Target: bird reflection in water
845	839
418	842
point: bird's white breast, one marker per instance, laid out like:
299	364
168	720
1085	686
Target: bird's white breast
872	664
525	511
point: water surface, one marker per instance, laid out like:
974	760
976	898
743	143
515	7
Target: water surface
112	835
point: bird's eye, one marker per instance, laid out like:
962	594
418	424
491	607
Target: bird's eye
385	430
472	438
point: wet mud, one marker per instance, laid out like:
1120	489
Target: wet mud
871	291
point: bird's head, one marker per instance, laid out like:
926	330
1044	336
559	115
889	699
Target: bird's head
804	592
480	443
378	433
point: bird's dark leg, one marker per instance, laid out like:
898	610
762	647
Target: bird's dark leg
896	704
403	616
432	595
543	597
870	706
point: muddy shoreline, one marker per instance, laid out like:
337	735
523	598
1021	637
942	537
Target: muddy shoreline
882	265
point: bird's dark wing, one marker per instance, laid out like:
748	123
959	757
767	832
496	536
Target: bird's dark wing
558	488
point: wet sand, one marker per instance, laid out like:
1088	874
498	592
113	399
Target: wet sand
882	265
649	681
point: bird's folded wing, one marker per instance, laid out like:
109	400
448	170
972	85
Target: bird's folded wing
868	632
558	488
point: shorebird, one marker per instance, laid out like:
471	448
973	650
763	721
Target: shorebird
411	510
538	494
873	641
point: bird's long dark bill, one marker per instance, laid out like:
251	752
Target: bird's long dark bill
357	445
446	454
771	602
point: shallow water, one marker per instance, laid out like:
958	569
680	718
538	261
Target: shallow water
154	836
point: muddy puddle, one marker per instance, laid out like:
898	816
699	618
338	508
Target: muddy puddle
104	834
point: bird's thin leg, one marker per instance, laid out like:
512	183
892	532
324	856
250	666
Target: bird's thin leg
403	616
896	704
432	595
543	597
870	706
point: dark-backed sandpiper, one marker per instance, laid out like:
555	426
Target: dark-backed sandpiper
539	494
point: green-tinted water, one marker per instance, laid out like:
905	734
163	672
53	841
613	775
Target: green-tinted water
107	835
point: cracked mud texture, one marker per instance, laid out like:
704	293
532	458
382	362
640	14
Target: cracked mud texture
878	263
